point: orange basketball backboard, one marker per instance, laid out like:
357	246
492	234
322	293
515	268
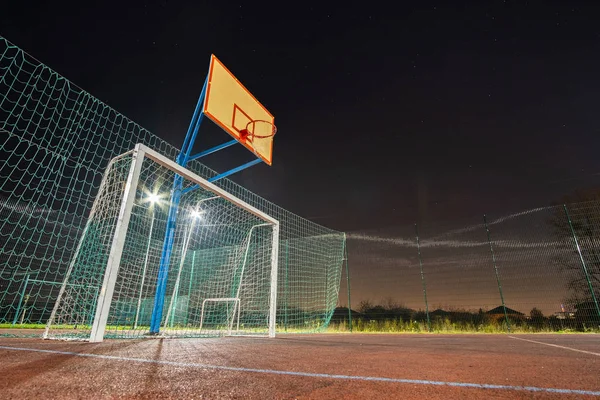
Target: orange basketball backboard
231	106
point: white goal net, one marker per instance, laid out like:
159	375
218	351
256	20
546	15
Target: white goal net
166	252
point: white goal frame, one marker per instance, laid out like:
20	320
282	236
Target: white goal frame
105	297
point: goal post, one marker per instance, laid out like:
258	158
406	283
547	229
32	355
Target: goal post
224	258
116	249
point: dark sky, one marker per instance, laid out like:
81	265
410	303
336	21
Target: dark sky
387	114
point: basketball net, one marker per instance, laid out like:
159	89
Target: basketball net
257	130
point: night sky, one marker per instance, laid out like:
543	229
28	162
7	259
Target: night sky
386	114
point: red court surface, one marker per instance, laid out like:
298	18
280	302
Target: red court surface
326	366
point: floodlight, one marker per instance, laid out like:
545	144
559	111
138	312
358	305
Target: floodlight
197	213
153	198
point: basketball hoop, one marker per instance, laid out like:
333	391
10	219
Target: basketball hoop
258	129
256	132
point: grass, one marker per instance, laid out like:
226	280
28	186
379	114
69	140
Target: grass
444	326
362	326
22	326
123	331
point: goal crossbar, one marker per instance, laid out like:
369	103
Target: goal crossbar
105	296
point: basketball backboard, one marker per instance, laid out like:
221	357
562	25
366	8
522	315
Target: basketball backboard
231	106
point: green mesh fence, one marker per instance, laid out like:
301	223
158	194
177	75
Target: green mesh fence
537	270
56	141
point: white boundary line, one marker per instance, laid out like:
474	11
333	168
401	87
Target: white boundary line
555	345
312	375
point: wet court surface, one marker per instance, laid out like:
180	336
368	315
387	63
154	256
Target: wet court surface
324	366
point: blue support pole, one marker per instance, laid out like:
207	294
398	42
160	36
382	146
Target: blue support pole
190	189
163	269
237	169
223	175
213	150
165	258
185	151
192	131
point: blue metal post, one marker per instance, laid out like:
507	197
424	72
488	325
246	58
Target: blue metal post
165	258
237	169
184	156
224	174
213	150
190	136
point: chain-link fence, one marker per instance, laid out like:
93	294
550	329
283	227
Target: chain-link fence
55	143
537	270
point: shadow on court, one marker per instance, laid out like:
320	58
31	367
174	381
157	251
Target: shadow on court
307	366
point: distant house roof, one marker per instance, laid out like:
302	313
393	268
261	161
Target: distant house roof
342	313
500	310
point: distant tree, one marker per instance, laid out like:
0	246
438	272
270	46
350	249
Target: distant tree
584	210
536	314
365	306
389	309
378	313
390	303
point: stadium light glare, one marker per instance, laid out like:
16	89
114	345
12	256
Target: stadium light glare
153	198
197	214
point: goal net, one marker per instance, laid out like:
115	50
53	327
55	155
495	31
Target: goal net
166	252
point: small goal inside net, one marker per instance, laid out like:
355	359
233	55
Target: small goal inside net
166	252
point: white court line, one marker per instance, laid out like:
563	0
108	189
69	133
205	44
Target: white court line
555	345
313	375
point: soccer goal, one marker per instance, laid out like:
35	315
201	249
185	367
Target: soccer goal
220	273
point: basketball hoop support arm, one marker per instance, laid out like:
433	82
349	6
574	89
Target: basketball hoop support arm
213	150
182	159
224	174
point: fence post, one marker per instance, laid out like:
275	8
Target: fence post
348	283
21	300
190	286
583	266
423	279
496	271
285	297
